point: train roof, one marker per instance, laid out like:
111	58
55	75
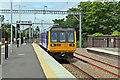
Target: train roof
58	27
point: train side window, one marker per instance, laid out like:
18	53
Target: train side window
62	37
53	37
70	37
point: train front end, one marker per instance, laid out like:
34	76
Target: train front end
62	42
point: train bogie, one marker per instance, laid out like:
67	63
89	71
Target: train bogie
62	55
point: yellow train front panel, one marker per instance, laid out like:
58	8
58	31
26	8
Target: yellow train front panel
62	46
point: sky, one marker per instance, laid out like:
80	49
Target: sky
61	5
45	18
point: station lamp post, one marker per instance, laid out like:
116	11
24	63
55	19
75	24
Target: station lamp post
11	27
1	19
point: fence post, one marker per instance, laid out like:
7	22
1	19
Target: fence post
6	45
92	41
107	42
114	42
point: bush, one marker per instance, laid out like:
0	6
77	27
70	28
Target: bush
97	34
116	33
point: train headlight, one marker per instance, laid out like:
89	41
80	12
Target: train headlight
53	45
72	45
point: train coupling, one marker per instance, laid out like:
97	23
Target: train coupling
62	54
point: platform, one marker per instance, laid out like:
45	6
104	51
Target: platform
31	62
112	51
51	67
22	63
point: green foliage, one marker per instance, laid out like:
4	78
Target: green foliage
97	34
7	28
59	21
25	32
97	17
116	33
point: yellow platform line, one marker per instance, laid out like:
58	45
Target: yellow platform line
4	46
47	70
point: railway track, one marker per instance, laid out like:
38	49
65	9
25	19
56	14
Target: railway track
102	54
92	66
98	67
77	72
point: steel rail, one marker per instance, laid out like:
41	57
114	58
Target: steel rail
117	75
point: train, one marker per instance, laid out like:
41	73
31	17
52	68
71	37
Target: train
59	41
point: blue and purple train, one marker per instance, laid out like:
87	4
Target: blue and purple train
59	41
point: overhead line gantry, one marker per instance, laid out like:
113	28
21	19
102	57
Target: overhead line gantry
8	11
38	12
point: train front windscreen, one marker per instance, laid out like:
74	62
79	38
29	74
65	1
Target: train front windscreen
62	36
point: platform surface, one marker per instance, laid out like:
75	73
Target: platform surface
22	63
113	51
51	67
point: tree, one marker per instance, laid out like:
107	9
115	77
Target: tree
97	17
7	28
59	21
116	33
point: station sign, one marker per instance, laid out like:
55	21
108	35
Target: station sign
24	22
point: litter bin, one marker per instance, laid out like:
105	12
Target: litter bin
17	43
6	49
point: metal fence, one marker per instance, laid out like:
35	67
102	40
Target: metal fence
103	41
